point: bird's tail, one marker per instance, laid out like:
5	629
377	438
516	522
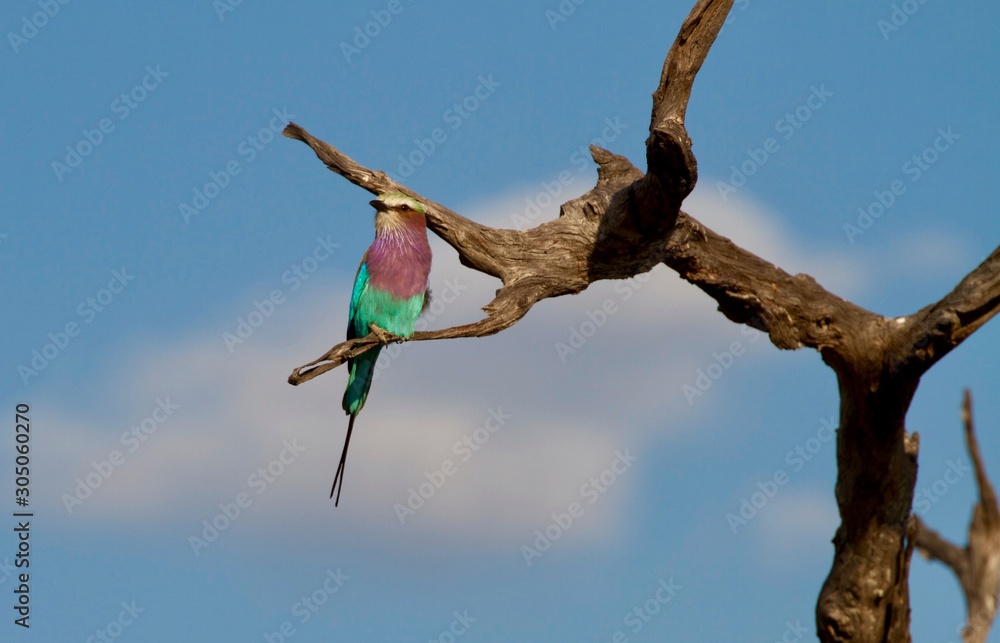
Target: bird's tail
339	476
359	381
361	370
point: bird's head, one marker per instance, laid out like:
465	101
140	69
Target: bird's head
395	209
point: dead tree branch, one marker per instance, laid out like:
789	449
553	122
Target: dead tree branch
630	222
977	565
933	332
509	306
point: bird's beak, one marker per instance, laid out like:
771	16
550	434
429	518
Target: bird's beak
378	205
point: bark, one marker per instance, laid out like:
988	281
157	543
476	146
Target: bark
977	565
631	221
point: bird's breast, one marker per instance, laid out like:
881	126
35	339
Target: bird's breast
399	265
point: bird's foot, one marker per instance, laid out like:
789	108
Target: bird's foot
384	336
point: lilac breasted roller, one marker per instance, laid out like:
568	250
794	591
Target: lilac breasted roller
390	291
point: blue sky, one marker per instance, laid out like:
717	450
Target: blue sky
818	108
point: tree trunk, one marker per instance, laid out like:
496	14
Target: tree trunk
631	221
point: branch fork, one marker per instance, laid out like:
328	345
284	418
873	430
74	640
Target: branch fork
632	221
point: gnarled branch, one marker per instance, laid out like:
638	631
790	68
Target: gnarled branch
474	242
630	222
977	565
795	311
934	331
509	306
604	234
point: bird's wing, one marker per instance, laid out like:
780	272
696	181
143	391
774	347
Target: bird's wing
360	287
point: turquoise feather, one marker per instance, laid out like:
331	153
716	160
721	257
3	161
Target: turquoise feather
390	291
371	305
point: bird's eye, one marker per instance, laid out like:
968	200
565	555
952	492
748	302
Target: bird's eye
404	207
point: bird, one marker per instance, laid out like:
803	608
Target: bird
390	290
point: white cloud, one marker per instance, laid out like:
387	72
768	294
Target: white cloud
235	413
568	416
748	223
751	226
